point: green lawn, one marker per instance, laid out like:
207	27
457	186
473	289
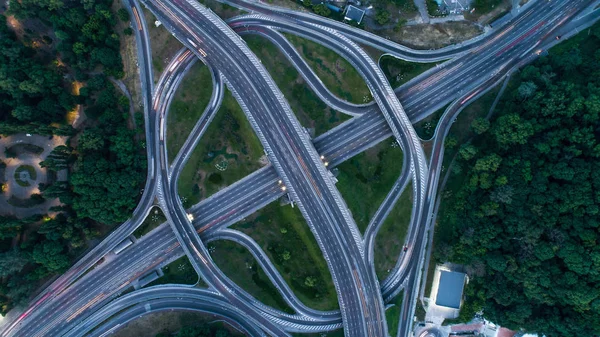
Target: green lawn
179	271
241	267
284	235
392	315
425	128
188	105
365	180
153	220
227	152
309	109
398	71
25	168
391	235
335	72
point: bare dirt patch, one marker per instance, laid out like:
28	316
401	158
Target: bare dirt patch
433	36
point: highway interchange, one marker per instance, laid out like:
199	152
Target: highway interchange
87	298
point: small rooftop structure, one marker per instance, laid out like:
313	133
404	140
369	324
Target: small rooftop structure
457	6
354	14
450	289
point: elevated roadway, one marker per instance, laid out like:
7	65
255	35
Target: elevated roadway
165	247
294	158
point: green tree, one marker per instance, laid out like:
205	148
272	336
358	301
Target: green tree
12	262
480	125
382	16
123	14
50	254
322	9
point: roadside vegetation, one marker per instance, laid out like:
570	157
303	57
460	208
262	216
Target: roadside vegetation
189	103
240	266
223	10
488	11
365	180
398	71
308	107
431	36
154	219
472	118
228	151
163	44
176	324
57	59
179	271
392	315
285	237
390	238
425	128
335	72
524	219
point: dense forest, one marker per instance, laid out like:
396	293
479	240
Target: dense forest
76	47
526	220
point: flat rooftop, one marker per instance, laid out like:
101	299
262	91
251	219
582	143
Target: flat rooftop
354	13
450	289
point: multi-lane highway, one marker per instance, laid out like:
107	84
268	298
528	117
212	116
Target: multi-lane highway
77	302
295	160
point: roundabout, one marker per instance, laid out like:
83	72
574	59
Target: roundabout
21	174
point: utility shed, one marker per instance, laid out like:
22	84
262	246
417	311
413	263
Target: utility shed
450	289
354	14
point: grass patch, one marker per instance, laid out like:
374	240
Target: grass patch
335	72
310	110
168	323
164	45
430	272
488	11
425	128
420	312
188	105
224	11
227	152
30	171
153	220
398	71
392	315
284	235
179	271
239	265
365	179
391	235
485	6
